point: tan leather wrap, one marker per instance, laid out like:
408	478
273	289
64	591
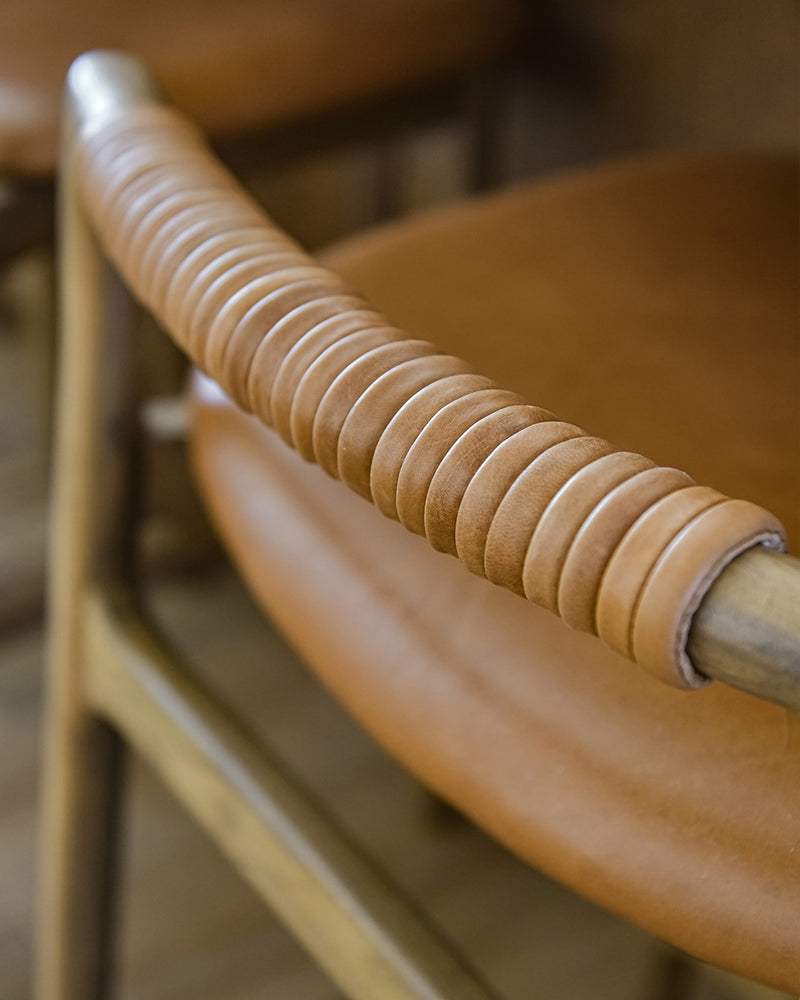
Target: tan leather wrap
538	506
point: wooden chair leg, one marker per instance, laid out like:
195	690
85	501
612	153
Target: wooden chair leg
90	538
78	853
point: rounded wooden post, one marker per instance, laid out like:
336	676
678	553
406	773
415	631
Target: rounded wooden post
82	755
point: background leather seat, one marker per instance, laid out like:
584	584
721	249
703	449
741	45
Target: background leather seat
240	66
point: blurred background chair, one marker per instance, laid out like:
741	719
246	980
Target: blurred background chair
310	75
246	67
675	281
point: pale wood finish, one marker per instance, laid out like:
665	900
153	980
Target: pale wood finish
281	842
81	765
746	630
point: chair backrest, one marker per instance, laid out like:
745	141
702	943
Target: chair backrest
236	294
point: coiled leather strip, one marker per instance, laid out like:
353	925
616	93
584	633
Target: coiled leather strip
614	544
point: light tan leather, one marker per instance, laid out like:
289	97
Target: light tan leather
341	395
238	311
241	65
434	441
676	812
405	428
366	422
660	628
632	560
282	360
519	511
553	537
493	480
595	541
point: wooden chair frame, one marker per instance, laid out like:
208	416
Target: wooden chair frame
111	679
113	682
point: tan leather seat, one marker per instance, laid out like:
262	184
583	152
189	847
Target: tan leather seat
656	304
243	65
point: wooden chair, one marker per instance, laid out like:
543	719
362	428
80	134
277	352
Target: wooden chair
656	301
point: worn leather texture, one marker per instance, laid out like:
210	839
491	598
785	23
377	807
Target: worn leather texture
654	303
242	65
